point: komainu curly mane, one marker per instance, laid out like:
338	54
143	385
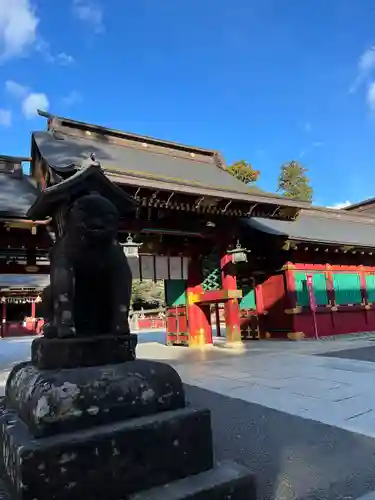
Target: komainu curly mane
91	280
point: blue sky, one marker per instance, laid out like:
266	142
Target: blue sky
267	81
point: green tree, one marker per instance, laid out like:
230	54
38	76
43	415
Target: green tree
244	172
294	183
147	292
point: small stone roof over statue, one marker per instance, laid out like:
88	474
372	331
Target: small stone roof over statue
89	178
135	160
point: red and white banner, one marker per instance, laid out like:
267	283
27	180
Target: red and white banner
310	289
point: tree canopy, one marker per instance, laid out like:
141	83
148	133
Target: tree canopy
147	293
244	172
294	183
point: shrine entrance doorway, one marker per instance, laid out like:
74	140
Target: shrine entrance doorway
249	317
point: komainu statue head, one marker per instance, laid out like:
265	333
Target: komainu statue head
93	219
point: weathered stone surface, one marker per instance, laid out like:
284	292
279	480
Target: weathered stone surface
57	401
227	480
91	280
5	491
51	354
109	461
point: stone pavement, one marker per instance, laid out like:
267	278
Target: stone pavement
285	376
259	394
288	377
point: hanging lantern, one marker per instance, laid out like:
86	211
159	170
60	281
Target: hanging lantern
131	248
239	254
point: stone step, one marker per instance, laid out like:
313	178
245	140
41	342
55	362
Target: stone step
107	461
228	480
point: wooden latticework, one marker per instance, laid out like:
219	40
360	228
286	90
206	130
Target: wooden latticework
211	272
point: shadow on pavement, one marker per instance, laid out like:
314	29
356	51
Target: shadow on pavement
359	354
293	458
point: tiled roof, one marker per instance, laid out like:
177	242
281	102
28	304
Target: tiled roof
143	161
325	226
16	195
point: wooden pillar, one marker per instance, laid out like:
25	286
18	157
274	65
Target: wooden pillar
199	321
259	304
217	316
33	315
231	306
362	276
330	288
3	316
291	297
33	309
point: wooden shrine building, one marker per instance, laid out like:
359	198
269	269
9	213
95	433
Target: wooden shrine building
23	250
337	248
211	238
189	208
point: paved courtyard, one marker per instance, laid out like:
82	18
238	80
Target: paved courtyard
301	415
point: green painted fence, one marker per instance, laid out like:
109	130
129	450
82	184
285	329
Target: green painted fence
319	287
347	288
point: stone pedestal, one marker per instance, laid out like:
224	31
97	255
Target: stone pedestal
117	431
49	354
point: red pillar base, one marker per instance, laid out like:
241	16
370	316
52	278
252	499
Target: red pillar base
232	320
199	317
231	307
200	330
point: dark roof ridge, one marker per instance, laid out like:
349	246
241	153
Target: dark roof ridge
339	214
159	151
360	204
129	135
15	159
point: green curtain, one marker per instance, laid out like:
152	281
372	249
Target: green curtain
347	288
319	288
175	293
370	286
248	298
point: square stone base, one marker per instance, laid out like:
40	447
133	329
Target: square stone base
54	402
227	480
56	353
107	461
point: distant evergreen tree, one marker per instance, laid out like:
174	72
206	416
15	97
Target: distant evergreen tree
294	183
244	172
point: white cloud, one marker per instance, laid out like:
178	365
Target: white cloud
18	27
64	59
19	32
5	117
367	60
15	89
366	65
340	205
32	102
73	97
90	12
371	96
311	147
43	48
